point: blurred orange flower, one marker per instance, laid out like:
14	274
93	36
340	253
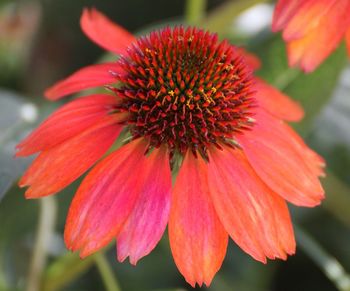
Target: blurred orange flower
312	29
194	111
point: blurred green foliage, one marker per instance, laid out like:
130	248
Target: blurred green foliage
54	48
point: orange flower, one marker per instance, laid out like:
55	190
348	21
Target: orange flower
192	109
312	29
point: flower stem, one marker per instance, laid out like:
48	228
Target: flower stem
195	11
330	266
106	272
46	224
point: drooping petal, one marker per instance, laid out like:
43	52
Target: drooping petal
85	78
104	32
280	162
106	198
59	166
147	222
255	217
68	121
313	160
310	50
277	103
198	240
284	11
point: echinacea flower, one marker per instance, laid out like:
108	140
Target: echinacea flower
312	29
189	106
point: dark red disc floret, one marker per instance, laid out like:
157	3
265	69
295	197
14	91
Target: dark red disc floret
185	89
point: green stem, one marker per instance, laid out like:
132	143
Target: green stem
330	266
106	272
46	224
195	11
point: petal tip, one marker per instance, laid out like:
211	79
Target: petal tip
83	255
121	258
29	193
50	93
133	261
88	249
104	32
22	184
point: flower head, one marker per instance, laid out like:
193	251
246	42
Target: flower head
312	29
191	108
182	88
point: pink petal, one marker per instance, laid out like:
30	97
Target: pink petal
147	221
106	198
277	103
198	240
87	77
104	32
284	11
255	217
59	166
68	121
281	161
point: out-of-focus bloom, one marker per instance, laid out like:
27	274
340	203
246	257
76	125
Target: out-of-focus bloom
18	24
312	29
192	109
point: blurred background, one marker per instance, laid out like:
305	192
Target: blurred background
41	42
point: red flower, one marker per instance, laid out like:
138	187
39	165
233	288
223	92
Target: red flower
312	29
190	106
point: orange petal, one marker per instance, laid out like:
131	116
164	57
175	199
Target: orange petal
147	222
197	239
307	18
314	161
68	121
106	198
255	217
85	78
104	32
282	163
277	103
311	50
284	11
59	166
